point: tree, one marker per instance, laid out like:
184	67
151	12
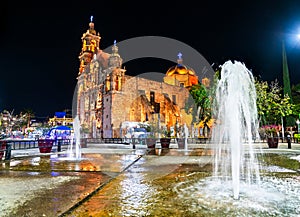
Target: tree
290	121
296	100
199	103
271	105
28	114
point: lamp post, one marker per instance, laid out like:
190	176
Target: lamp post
297	136
298	122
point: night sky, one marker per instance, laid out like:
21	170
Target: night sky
41	42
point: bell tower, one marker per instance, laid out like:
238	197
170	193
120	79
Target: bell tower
90	46
115	75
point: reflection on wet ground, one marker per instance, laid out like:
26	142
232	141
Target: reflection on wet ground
108	182
142	190
45	193
177	183
49	185
89	162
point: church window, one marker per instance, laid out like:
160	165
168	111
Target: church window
120	83
108	83
141	92
157	108
152	96
174	99
117	83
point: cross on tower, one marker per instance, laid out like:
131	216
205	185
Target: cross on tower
179	55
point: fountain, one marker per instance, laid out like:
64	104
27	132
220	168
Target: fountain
186	135
75	152
245	180
237	125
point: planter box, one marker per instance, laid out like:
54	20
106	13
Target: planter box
2	148
165	142
272	142
45	145
151	142
181	143
83	143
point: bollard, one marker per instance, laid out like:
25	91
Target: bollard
289	141
59	145
8	151
133	143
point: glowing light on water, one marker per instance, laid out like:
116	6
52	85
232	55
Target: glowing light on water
236	114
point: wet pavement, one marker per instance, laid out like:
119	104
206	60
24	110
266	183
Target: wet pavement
108	180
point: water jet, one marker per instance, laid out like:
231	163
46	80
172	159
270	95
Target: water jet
74	148
235	110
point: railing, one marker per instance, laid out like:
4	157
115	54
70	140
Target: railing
8	145
141	141
107	140
28	144
21	144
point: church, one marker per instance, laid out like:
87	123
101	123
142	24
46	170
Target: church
107	97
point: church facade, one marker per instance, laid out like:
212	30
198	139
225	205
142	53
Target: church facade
107	97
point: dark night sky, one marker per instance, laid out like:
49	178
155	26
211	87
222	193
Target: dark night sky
41	41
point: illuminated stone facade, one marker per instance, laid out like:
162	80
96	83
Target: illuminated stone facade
107	97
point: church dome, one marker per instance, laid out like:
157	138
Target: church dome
180	69
181	75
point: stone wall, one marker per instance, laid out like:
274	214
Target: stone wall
129	105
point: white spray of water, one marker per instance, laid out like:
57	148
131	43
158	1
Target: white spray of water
77	152
236	115
186	135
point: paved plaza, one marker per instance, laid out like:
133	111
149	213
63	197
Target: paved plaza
35	184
